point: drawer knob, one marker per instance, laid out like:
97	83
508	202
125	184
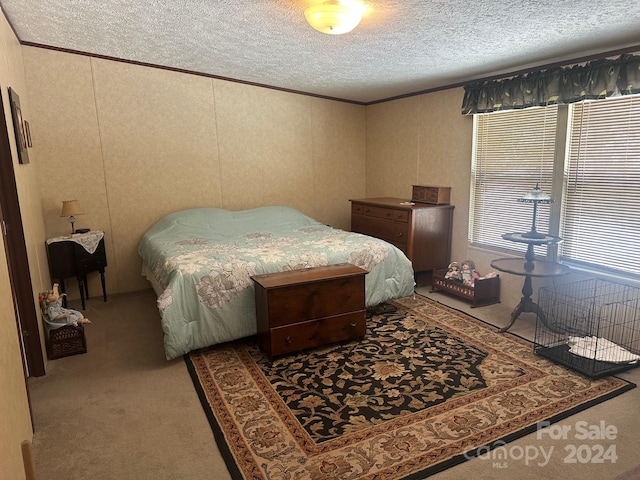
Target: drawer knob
388	214
399	234
354	324
288	340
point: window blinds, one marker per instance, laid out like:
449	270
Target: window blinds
600	220
512	152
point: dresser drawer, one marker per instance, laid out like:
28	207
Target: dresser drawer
313	333
90	262
392	232
357	208
305	308
421	228
386	213
324	298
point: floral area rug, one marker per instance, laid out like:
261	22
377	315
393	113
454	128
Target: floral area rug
425	389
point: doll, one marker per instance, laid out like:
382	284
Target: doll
54	314
454	272
468	272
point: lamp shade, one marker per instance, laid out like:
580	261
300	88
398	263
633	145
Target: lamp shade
536	195
70	208
335	17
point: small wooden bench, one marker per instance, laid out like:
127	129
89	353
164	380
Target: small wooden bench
311	307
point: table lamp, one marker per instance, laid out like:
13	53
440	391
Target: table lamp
70	208
535	196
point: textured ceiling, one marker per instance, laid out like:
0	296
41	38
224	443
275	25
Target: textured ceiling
400	47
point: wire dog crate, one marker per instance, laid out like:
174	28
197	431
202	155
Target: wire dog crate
592	326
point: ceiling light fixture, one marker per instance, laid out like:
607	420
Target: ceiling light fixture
335	16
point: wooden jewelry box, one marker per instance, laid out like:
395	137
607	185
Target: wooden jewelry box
434	195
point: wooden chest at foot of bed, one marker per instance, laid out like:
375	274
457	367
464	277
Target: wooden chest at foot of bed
310	307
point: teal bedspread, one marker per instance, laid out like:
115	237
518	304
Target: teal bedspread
202	260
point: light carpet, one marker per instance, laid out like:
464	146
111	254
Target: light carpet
429	387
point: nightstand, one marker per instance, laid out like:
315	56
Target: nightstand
75	256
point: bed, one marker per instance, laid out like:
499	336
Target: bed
200	262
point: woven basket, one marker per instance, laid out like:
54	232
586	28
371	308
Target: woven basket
66	341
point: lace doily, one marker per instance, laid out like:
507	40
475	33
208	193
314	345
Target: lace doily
89	240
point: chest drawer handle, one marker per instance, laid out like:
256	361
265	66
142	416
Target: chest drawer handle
288	340
354	324
388	214
399	234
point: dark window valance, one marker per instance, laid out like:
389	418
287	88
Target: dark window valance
597	79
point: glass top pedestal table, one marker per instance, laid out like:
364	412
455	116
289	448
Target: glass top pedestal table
529	267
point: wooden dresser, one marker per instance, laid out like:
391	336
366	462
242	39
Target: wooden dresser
422	231
306	308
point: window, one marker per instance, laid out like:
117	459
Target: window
513	151
599	197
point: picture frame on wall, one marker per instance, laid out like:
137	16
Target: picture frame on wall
27	134
18	127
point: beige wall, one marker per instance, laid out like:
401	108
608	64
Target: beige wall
422	140
15	421
134	143
425	140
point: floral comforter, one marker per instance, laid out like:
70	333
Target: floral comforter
202	261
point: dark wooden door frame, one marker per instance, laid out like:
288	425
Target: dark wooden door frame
17	259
